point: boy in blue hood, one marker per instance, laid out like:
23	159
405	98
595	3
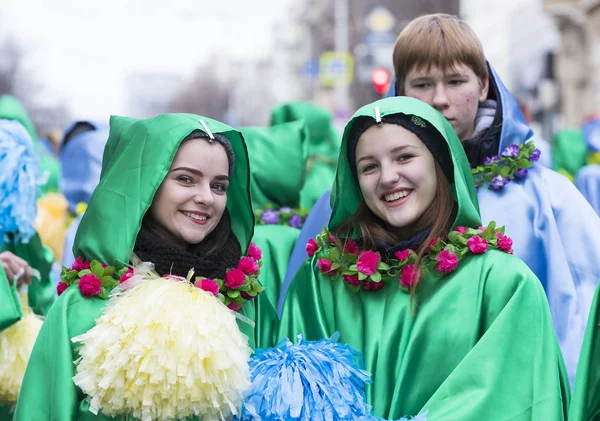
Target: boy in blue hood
439	60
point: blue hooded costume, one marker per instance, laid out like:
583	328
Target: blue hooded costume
588	178
555	231
81	162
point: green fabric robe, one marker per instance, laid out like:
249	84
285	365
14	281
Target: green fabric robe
277	173
585	405
323	146
481	345
136	159
569	151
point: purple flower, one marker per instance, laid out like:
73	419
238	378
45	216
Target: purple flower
535	155
512	150
295	221
497	183
270	217
285	209
521	173
491	160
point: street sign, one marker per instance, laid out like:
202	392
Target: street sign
336	68
311	69
380	20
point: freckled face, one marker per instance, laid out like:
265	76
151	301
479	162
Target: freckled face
455	93
192	198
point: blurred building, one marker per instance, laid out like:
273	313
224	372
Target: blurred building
149	94
578	57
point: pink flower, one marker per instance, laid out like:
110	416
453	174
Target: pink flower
233	306
504	243
433	242
311	247
352	280
247	296
60	287
477	245
254	252
351	247
447	261
207	285
248	265
367	262
372	286
481	229
403	254
80	265
128	274
332	239
408	276
90	285
235	278
462	230
324	265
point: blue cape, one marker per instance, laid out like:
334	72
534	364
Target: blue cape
588	177
555	232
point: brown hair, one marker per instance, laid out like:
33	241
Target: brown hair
439	40
438	217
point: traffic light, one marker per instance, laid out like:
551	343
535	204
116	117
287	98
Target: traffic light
381	80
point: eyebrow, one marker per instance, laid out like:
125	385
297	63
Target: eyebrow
396	149
199	173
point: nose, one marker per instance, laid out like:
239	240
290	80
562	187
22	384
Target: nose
203	194
440	97
390	174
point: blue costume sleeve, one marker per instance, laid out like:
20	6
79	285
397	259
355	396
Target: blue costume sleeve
588	183
316	220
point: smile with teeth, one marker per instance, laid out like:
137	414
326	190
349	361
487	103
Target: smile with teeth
195	216
397	195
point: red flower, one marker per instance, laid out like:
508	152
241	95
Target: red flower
248	265
80	265
233	306
90	285
372	286
351	247
311	247
367	262
60	287
433	242
403	254
477	245
504	243
462	230
324	265
352	280
408	276
247	296
447	261
254	252
207	285
235	278
128	274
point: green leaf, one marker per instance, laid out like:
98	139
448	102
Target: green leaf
504	171
334	254
219	282
376	277
362	276
232	293
383	266
353	268
84	272
103	293
454	236
109	270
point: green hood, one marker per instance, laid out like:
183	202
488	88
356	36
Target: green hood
136	159
277	163
346	196
12	109
324	139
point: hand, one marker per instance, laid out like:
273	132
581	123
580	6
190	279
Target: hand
13	266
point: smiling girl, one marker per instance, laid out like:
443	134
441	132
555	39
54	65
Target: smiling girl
447	321
174	189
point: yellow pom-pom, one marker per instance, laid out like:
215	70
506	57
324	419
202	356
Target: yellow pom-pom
166	350
16	343
51	221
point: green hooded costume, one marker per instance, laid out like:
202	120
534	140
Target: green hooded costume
480	346
323	147
12	109
569	152
277	172
585	405
136	159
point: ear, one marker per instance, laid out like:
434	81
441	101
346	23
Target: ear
485	86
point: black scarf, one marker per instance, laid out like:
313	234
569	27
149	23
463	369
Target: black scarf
168	259
387	250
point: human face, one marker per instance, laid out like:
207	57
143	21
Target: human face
192	198
455	93
396	174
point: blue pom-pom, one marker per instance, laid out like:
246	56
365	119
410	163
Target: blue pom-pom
19	172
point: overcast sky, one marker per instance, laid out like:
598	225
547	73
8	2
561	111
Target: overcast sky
82	50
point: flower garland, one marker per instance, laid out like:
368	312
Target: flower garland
240	284
512	163
365	269
283	216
